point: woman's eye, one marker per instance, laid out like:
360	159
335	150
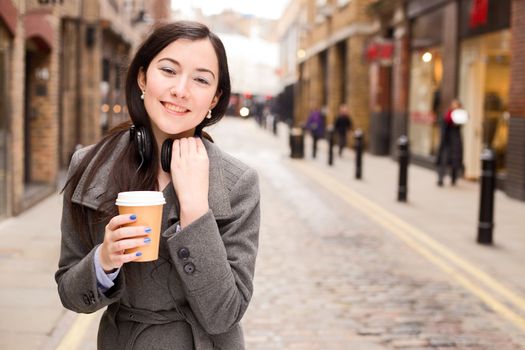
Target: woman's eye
168	70
202	81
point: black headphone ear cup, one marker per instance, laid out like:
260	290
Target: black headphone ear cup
143	141
165	155
148	152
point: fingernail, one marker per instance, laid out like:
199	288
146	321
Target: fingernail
147	240
133	217
138	253
147	230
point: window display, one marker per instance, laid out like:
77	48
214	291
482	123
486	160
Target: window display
425	100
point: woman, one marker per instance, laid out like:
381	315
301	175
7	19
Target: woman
343	123
450	152
316	125
196	293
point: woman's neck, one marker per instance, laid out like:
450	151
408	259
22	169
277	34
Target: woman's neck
164	178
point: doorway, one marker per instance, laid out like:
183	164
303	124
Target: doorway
484	90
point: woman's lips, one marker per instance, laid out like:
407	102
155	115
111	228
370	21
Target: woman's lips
174	108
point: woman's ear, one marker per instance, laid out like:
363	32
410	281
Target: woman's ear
141	79
215	100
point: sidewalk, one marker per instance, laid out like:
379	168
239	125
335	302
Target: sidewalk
448	214
29	300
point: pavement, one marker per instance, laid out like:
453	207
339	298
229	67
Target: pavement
341	265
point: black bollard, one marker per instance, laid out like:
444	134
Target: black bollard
358	146
486	205
274	125
296	143
330	134
403	158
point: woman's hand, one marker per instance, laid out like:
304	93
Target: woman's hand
118	238
190	176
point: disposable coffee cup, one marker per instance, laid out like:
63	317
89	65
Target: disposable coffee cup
147	206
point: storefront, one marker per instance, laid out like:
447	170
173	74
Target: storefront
484	80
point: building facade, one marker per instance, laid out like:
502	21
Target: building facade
399	63
331	69
453	49
61	77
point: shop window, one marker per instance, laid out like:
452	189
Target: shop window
425	100
484	90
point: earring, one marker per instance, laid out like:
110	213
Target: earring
142	96
208	116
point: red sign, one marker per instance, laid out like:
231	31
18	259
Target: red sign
379	51
479	13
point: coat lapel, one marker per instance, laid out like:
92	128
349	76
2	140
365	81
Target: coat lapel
95	194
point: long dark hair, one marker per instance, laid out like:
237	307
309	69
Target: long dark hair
129	175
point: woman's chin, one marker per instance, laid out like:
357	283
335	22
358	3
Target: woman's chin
178	133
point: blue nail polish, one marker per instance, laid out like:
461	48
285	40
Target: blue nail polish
147	230
138	254
147	240
133	217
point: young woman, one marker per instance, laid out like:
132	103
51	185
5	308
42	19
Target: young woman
196	293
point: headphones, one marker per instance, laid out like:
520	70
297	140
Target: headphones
143	140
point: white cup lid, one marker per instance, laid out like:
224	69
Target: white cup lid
138	198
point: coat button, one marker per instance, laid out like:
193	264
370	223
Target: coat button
183	253
189	268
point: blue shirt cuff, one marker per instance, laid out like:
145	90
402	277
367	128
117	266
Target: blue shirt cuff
104	280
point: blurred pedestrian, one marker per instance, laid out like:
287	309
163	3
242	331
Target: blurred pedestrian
316	124
343	123
450	152
195	294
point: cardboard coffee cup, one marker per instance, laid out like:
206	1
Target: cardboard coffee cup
147	205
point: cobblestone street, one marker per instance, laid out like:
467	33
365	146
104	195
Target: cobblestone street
329	278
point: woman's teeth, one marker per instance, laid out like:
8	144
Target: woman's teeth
175	108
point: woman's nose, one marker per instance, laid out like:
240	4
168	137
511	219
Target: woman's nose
180	88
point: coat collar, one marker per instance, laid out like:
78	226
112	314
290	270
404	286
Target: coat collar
95	195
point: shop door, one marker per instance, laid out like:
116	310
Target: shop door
484	89
471	87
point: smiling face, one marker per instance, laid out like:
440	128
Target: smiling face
180	86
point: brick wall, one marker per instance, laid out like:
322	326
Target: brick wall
69	90
400	85
357	83
323	38
400	70
90	72
16	101
517	84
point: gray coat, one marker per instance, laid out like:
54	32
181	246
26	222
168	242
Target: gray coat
196	293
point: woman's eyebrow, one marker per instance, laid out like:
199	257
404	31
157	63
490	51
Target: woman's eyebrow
205	70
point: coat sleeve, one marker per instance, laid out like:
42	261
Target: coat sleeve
76	276
216	263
